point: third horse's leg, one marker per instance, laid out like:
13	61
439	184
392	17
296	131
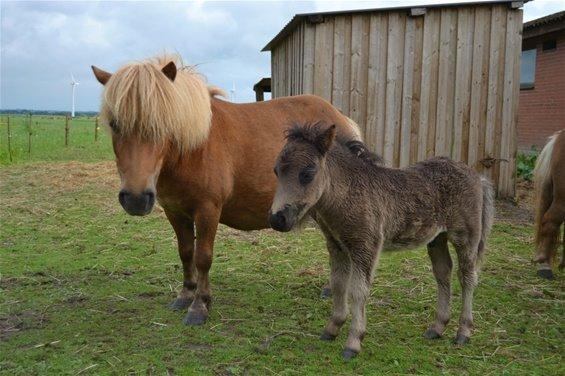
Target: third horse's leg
548	236
184	230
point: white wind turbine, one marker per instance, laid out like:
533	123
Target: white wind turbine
74	84
232	92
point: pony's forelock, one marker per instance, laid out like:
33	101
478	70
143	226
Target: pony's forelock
145	103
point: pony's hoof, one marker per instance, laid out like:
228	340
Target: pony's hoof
326	336
194	318
349	354
179	304
326	293
461	340
545	274
431	334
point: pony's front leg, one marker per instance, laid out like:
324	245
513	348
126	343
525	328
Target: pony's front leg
184	230
206	225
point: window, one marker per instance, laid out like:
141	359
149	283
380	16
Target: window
528	69
549	45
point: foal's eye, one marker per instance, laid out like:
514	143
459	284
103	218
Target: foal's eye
307	175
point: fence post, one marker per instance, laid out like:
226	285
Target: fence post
96	129
29	133
9	139
67	130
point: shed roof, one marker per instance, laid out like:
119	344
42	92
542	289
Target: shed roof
298	18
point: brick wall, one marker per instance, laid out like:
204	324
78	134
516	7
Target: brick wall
541	110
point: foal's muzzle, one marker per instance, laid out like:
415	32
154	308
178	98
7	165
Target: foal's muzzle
284	219
137	204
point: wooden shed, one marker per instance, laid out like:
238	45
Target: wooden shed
425	81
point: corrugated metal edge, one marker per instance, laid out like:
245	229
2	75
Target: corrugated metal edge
544	20
297	19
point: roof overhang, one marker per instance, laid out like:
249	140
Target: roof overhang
545	25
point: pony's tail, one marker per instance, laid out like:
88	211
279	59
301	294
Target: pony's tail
215	91
543	193
487	216
355	131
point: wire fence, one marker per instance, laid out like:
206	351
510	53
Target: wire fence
26	138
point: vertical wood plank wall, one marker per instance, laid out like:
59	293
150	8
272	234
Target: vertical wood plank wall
445	83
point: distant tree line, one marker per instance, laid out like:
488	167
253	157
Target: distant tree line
45	112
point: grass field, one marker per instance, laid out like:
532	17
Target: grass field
84	289
48	140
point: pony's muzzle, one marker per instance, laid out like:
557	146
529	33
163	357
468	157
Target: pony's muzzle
283	220
134	204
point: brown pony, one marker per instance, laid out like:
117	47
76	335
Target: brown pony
363	208
549	181
205	160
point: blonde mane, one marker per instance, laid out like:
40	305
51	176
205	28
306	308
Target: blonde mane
143	102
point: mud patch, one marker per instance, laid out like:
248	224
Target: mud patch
150	294
76	300
18	322
520	209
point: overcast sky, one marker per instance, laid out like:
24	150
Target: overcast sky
43	42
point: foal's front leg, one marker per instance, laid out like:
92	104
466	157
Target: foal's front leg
363	261
207	221
184	230
340	271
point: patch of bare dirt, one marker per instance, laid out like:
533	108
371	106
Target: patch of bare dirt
70	175
519	210
14	323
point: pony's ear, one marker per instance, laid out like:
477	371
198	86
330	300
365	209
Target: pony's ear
325	139
170	70
101	76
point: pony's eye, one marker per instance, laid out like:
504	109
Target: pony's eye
306	176
114	126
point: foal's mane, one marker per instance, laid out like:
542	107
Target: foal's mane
141	101
310	133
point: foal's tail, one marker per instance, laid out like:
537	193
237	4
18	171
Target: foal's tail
543	188
487	215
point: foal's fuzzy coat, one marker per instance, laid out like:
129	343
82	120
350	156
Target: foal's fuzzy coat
363	208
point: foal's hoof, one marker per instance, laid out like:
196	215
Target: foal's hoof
326	336
179	304
461	340
545	274
431	334
194	318
349	354
326	293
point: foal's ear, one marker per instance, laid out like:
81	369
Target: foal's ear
170	70
101	76
324	140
